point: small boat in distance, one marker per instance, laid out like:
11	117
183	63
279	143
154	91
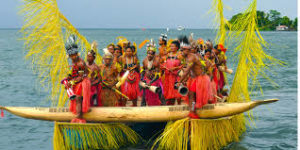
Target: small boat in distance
179	28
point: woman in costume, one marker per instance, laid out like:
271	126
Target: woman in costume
220	59
111	48
79	82
117	53
94	76
163	39
109	74
131	86
211	70
171	67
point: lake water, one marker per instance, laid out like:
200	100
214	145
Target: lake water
276	124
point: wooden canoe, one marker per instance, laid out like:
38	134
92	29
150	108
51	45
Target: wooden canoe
136	114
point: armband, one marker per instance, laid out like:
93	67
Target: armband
157	74
72	82
190	64
203	63
142	70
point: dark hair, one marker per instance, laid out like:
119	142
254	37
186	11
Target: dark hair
118	47
93	53
216	47
70	46
165	41
210	44
207	50
176	43
111	44
131	47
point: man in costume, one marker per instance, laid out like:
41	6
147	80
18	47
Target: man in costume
109	74
211	72
94	76
200	89
79	82
150	77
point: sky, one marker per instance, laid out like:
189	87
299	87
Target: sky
144	14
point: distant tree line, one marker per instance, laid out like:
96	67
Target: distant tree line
269	21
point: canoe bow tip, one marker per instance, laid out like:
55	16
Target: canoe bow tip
271	100
267	101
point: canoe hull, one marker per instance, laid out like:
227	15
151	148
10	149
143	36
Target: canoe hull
136	114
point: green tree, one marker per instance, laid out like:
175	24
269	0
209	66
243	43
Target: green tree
295	24
274	15
233	18
274	18
285	20
269	21
263	20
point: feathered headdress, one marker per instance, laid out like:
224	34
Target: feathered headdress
107	54
184	42
71	46
220	47
164	37
151	46
93	50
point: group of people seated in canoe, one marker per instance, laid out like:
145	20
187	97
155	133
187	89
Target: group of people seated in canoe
179	71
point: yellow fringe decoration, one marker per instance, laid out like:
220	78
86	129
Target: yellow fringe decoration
45	32
252	60
200	134
217	7
93	136
222	22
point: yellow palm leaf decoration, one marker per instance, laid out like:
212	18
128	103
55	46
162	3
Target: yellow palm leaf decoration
93	136
217	8
252	60
45	32
135	51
